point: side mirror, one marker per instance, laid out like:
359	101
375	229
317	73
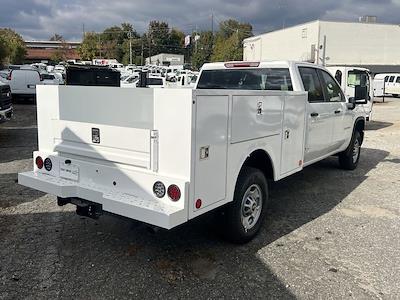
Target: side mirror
361	94
352	103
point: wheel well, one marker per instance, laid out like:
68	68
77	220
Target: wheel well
260	159
360	126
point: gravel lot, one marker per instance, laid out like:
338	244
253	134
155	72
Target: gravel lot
330	234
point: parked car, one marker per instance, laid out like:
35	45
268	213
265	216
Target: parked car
152	82
50	79
4	76
166	156
23	82
6	108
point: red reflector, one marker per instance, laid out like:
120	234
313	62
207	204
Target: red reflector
39	162
198	203
242	65
174	193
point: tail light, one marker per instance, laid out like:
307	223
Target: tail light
39	162
174	193
198	203
41	77
9	76
48	165
159	189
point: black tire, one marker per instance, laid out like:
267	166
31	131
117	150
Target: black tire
349	158
250	180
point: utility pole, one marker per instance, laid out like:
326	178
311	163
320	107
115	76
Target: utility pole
149	49
83	31
212	23
99	42
324	52
130	47
141	60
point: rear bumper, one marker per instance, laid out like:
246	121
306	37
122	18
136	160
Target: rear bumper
149	210
6	115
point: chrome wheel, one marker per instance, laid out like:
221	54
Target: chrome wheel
356	151
251	206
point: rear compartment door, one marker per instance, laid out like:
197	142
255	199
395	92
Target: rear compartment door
211	148
94	123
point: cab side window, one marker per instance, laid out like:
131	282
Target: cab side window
391	79
333	92
312	84
398	79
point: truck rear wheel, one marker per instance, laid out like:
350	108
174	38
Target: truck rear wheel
245	215
349	158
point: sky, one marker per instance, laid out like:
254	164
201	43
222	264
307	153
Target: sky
40	19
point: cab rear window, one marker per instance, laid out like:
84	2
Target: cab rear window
276	79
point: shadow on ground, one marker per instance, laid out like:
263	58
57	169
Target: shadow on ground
61	254
377	125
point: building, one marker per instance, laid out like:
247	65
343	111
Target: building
38	51
166	59
365	44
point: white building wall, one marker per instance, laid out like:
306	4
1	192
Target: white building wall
294	43
173	59
361	43
347	44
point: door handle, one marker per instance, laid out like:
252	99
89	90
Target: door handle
314	114
338	111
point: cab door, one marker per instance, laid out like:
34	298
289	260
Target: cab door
319	116
342	117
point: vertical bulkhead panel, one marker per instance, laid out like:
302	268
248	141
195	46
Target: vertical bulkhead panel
211	149
293	134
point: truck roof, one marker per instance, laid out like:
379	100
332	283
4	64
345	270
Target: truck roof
255	64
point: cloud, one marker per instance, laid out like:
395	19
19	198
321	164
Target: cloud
39	19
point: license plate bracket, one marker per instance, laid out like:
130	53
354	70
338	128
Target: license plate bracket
69	171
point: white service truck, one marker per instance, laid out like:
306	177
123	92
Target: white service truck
165	156
351	77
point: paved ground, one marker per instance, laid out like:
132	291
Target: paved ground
330	234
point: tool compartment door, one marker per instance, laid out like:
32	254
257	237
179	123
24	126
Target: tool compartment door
211	148
293	133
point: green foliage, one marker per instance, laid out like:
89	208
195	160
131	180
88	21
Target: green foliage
14	49
203	49
89	48
228	44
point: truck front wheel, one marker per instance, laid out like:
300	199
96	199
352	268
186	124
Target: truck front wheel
245	215
349	158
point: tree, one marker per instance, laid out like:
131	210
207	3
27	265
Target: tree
176	40
60	54
158	37
89	48
203	49
3	50
57	37
15	46
229	39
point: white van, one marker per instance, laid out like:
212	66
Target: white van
23	82
387	83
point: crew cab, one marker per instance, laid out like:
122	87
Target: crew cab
166	156
6	108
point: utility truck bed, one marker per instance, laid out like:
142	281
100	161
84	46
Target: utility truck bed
165	156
